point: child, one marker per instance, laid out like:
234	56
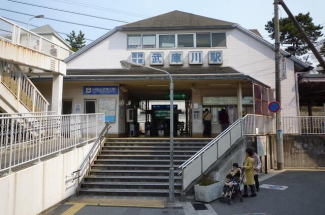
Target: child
228	185
236	172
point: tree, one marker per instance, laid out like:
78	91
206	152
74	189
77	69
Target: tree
322	52
290	36
76	41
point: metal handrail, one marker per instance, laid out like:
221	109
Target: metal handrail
89	158
48	113
196	155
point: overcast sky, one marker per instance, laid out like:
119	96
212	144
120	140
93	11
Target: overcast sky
252	14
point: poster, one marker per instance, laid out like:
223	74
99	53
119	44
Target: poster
108	107
77	108
261	145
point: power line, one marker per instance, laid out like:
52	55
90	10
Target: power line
39	26
57	20
100	8
82	14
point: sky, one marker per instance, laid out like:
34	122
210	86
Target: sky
252	14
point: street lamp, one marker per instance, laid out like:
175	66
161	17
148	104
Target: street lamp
128	65
37	17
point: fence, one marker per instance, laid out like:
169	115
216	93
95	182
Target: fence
258	125
30	138
15	34
203	159
22	88
304	125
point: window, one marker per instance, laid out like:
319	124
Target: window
148	41
134	41
90	106
166	41
66	107
218	40
185	40
203	40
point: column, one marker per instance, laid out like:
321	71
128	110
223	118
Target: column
57	89
239	100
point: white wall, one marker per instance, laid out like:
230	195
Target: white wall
243	53
35	189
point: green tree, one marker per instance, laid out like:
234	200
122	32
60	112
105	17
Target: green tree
290	36
76	41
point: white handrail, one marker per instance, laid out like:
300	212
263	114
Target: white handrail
23	37
309	125
25	139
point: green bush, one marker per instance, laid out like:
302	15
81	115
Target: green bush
205	180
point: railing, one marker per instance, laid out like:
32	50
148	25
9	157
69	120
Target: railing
203	159
15	34
48	113
85	165
304	125
258	125
22	88
31	138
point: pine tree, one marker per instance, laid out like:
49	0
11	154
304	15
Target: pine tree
290	36
76	41
322	52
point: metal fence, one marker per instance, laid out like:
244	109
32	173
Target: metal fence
22	88
15	34
304	125
203	159
258	125
25	139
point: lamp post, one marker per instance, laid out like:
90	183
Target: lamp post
129	65
37	17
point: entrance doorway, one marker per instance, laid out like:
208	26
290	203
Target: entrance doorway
67	107
90	106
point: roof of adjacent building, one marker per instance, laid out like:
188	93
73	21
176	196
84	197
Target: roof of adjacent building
47	30
176	20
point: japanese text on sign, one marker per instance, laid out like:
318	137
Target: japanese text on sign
137	57
195	57
156	58
215	57
176	58
100	90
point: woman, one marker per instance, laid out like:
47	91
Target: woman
249	173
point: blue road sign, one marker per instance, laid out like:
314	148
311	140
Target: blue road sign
274	106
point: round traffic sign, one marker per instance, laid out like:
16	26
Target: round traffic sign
274	106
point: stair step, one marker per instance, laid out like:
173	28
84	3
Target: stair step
151	147
130	172
132	183
129	185
131	166
127	161
127	192
147	152
131	178
152	157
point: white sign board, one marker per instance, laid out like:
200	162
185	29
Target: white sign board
215	57
108	107
226	100
284	68
157	58
261	145
195	58
176	58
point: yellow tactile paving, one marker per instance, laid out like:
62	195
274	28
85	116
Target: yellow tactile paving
74	209
144	203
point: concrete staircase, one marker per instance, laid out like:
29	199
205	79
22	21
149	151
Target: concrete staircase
137	167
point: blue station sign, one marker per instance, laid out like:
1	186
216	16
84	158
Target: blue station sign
100	90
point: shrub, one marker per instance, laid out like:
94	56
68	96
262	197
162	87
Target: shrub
205	180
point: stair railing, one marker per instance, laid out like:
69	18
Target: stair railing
22	88
86	164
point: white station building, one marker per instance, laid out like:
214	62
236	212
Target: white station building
215	64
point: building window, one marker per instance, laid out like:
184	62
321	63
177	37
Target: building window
134	41
218	40
185	40
203	40
149	41
166	41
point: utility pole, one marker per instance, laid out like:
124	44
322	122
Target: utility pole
279	131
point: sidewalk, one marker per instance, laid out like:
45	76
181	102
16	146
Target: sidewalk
304	195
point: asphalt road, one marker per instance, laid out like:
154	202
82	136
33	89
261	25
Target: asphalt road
304	196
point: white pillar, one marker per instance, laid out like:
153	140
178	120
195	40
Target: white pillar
239	101
57	89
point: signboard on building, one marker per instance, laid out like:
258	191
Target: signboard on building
162	107
177	96
100	90
108	107
261	145
157	58
226	100
176	58
137	57
195	58
215	57
284	68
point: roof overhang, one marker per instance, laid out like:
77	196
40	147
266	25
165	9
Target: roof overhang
121	28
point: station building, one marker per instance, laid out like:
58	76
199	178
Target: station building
215	65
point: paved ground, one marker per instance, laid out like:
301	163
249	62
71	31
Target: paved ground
304	196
